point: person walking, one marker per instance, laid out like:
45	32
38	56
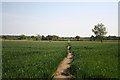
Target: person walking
69	49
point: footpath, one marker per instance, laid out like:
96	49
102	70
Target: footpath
63	66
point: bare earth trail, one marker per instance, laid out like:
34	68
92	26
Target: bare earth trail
63	66
62	41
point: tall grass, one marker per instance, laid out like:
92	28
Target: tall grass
31	59
95	60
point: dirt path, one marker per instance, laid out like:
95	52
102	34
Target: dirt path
62	41
63	66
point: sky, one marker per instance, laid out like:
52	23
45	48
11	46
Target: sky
65	19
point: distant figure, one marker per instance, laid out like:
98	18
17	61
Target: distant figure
69	47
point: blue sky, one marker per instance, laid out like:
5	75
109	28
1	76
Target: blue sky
58	18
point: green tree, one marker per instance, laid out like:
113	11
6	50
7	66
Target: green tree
4	37
49	37
77	37
99	30
55	38
92	38
43	37
22	37
62	38
52	37
38	37
32	36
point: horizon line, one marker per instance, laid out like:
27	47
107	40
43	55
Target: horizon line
51	34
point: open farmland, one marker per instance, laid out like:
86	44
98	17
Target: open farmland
31	59
24	59
94	60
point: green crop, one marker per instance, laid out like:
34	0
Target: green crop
31	59
41	59
94	60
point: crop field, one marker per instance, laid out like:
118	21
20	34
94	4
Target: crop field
31	59
22	59
95	60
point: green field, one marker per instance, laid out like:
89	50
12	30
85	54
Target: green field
31	59
40	59
111	40
95	60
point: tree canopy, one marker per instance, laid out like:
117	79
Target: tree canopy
77	37
99	30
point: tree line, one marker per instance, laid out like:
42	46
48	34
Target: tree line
24	37
37	37
56	38
99	30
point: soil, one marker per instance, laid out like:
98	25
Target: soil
62	41
63	66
